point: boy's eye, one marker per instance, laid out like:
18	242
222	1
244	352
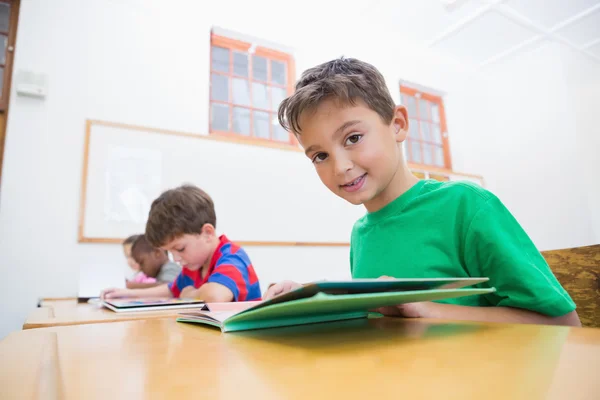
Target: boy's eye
180	250
353	139
319	157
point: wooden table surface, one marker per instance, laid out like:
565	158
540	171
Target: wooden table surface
362	359
65	312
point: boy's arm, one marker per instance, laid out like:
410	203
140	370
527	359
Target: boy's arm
496	246
481	314
231	280
210	292
141	285
157	291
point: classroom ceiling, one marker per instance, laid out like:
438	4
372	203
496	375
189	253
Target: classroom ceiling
482	32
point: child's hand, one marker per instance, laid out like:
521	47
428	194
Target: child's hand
280	288
408	310
114	293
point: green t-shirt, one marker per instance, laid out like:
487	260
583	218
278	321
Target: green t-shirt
457	229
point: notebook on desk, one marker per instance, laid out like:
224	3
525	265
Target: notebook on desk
133	305
332	301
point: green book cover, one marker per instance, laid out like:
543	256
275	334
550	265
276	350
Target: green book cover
332	301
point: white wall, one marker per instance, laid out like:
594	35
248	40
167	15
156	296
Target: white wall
584	80
139	62
528	146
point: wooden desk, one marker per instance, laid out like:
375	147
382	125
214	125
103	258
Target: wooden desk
363	359
68	312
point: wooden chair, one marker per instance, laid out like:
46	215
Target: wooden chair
578	271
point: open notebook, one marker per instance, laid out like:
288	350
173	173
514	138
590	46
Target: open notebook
331	301
130	305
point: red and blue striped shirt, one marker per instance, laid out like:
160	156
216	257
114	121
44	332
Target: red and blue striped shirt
230	266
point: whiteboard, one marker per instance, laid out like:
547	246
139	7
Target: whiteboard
263	195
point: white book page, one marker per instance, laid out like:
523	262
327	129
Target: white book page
219	316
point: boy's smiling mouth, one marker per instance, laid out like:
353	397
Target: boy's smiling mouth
354	185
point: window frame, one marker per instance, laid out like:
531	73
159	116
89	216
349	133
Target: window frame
270	54
11	36
437	100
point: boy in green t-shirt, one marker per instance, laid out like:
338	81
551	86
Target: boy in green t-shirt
344	117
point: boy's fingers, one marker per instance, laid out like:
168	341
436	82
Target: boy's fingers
270	292
277	289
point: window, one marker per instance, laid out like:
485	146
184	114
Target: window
430	175
247	84
8	15
427	142
9	10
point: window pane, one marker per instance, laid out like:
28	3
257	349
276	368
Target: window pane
427	154
439	156
219	87
278	132
220	59
261	124
259	68
437	135
240	64
423	110
413	129
277	96
4	17
415	147
260	96
219	117
278	72
241	121
435	113
3	43
241	91
426	131
441	178
411	106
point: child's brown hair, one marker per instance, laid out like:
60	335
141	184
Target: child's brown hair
178	211
149	258
346	80
130	240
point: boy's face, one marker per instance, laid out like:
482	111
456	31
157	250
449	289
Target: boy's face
193	251
355	153
130	261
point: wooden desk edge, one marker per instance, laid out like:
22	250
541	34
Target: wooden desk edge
50	324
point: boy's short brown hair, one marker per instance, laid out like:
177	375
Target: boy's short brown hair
178	211
346	80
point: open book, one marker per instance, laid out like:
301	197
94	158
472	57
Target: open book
331	301
129	305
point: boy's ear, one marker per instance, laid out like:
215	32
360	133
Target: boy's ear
208	229
400	124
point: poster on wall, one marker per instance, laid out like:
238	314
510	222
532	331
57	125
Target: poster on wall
133	181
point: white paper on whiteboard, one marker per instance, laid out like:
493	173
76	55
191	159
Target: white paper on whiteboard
133	179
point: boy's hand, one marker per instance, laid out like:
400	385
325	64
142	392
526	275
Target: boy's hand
408	310
114	293
280	288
